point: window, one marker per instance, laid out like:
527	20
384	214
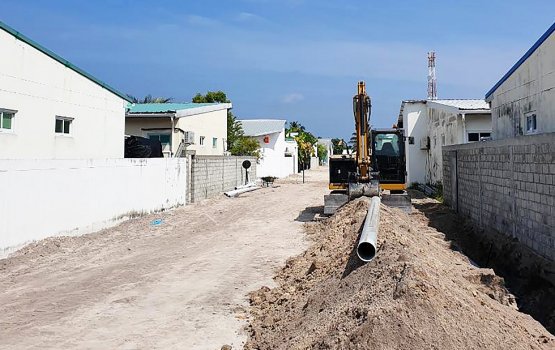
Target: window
201	142
63	125
531	124
164	139
6	119
214	142
478	136
387	145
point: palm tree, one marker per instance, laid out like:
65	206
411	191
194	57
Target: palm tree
353	141
149	99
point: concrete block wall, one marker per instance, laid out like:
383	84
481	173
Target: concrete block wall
507	186
212	175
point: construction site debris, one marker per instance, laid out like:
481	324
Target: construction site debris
418	293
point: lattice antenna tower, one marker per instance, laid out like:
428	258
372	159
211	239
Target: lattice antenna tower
432	84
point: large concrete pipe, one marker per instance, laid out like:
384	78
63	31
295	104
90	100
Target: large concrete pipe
366	249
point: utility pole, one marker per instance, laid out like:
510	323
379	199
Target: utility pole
432	84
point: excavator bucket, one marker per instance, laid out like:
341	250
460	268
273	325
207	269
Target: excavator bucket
397	200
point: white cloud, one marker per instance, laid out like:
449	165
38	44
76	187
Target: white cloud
293	98
200	20
249	17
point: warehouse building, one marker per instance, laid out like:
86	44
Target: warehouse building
523	101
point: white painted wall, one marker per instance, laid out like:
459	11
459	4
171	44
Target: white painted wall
273	161
40	88
448	128
210	125
293	148
42	198
530	89
415	121
477	123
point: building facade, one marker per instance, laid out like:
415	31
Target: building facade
279	155
199	128
51	109
431	124
523	101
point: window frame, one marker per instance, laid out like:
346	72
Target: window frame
158	134
201	141
529	116
480	135
12	126
64	120
214	142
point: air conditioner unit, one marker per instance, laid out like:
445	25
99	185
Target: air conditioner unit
425	143
189	138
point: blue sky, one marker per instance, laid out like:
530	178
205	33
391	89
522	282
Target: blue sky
292	59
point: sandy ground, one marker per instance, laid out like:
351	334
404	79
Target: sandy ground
179	285
419	292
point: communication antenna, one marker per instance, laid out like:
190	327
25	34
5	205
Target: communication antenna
432	87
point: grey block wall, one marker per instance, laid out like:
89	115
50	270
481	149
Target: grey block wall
212	175
507	186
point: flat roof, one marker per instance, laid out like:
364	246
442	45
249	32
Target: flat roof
522	59
65	62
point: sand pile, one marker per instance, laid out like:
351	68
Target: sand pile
417	294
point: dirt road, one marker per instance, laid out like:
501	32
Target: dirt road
178	285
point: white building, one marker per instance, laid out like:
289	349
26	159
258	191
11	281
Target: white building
431	124
523	101
279	154
200	127
51	109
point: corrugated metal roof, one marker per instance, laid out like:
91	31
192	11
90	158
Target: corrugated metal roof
258	127
165	107
66	63
470	104
522	59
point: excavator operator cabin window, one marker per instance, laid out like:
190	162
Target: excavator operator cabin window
387	145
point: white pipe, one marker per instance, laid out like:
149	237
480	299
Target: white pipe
235	193
245	186
366	249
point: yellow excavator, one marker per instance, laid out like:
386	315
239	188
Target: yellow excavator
375	168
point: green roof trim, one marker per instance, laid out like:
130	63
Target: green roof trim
165	107
61	60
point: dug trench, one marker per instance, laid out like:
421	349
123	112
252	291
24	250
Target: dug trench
527	275
418	292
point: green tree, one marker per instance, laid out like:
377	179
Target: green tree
353	141
338	145
211	97
234	128
246	146
294	127
322	153
305	141
149	99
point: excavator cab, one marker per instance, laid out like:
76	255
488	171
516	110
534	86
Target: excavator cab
389	161
388	158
